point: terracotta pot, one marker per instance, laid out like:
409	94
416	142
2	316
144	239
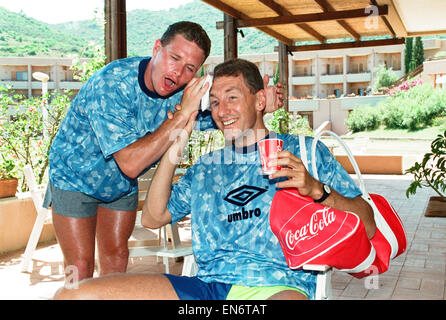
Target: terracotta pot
8	188
436	207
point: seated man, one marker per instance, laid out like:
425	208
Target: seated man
229	200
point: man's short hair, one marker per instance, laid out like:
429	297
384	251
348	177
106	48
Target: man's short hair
190	31
236	67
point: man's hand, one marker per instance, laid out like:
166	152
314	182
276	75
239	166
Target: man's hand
170	113
274	95
298	177
192	95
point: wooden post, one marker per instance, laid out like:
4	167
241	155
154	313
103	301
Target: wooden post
115	30
230	38
283	72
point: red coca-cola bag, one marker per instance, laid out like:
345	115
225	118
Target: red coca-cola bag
311	233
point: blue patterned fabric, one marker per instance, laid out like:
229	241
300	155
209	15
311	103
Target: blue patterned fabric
229	200
113	109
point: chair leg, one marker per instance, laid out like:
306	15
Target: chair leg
172	232
323	286
327	295
33	240
166	263
190	268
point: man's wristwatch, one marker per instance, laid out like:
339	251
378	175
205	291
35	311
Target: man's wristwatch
327	192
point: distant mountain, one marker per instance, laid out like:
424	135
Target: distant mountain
24	36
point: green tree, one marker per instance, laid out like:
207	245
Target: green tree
412	64
408	54
418	52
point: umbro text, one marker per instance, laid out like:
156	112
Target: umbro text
244	214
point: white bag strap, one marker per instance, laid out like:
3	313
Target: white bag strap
347	150
303	150
381	223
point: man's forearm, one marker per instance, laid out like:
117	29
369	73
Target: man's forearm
357	205
133	159
154	212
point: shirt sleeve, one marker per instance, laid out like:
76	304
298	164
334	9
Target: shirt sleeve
179	204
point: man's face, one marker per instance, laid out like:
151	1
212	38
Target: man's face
173	65
234	107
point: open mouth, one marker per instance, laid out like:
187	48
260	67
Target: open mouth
169	83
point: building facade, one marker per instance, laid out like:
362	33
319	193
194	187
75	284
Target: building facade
341	72
16	72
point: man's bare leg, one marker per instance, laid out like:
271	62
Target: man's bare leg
76	237
123	286
288	295
113	230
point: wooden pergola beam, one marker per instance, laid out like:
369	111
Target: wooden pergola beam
238	15
115	36
326	7
281	11
346	45
284	71
230	38
310	17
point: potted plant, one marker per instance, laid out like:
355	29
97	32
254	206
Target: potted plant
431	172
8	182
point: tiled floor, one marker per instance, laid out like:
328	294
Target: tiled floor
419	273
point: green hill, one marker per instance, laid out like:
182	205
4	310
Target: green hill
24	36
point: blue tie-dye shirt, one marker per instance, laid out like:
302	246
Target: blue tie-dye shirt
229	200
112	110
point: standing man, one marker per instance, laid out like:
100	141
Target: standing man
120	123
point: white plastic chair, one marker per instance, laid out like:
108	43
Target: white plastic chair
163	250
37	192
165	232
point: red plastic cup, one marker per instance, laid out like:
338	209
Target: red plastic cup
267	147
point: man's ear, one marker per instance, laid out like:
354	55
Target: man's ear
156	47
260	100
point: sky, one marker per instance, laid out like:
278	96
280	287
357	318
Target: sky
59	11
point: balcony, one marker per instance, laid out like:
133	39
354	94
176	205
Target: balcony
304	80
335	78
302	105
18	85
72	85
359	77
37	85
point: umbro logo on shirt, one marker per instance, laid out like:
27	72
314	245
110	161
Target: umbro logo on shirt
240	197
243	195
